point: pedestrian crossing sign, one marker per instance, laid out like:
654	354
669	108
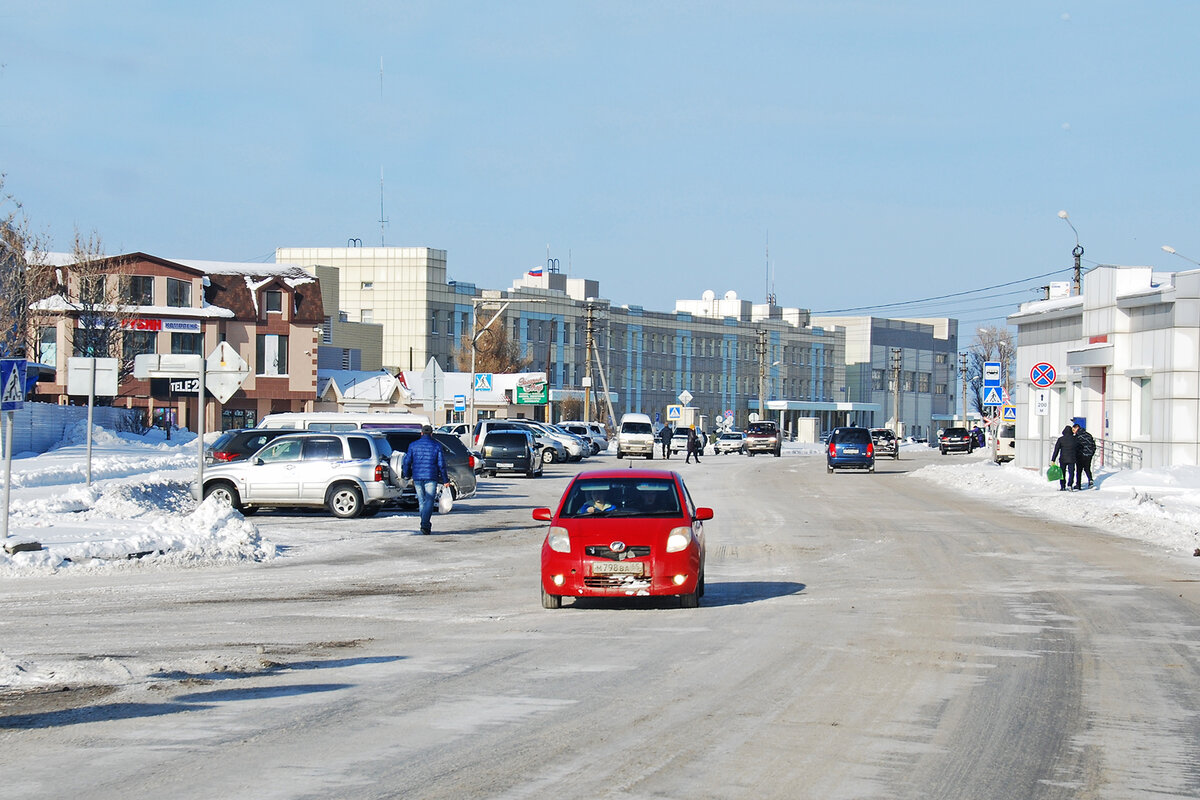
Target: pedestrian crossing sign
674	413
992	396
1009	414
12	384
483	381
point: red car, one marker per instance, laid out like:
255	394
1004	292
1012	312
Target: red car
624	533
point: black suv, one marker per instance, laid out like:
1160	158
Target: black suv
763	437
460	464
510	451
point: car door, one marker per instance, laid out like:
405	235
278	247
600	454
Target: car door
272	475
322	455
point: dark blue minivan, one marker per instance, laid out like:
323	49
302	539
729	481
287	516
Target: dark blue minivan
850	448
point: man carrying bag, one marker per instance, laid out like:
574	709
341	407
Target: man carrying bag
424	463
1085	448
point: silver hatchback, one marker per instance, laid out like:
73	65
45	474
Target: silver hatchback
352	474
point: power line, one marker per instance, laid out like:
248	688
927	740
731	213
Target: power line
940	297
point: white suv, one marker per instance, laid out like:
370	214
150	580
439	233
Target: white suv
351	474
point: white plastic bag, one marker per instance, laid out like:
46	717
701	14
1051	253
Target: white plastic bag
445	501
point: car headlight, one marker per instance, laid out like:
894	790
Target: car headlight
559	539
678	539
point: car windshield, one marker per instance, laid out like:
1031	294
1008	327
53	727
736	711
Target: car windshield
761	428
637	427
622	497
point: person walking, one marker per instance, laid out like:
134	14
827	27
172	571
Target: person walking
1085	448
424	463
665	435
1065	454
693	446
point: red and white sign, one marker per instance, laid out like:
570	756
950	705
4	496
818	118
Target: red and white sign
1042	375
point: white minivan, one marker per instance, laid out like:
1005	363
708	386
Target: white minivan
344	420
635	436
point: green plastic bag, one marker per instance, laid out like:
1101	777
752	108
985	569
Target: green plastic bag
1054	473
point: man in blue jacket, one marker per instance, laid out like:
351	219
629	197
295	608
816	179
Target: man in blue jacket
424	463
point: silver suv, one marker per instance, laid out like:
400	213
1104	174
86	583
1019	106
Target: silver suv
351	474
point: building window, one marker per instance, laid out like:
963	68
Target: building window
327	331
366	286
91	290
273	301
187	343
48	346
939	388
137	343
366	315
923	382
877	380
270	353
433	323
179	293
137	290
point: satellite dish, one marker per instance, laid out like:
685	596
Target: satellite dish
731	295
708	296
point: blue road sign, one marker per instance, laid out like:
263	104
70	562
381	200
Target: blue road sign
1010	414
992	396
12	383
460	402
1042	375
483	381
991	373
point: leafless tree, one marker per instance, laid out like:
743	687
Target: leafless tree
991	344
494	351
97	294
25	278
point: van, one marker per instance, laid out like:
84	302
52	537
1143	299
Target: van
1006	443
344	420
635	436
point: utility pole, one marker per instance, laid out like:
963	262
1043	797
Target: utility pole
897	359
962	371
762	372
587	368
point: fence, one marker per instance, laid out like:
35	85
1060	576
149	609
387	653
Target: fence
1118	455
39	426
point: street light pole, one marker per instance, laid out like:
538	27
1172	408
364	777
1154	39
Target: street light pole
475	303
1168	249
1077	251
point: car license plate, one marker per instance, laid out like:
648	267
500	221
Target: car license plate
617	568
504	465
851	451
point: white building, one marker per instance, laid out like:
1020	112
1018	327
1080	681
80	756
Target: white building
1126	360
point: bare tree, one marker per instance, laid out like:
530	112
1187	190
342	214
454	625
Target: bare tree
991	344
25	278
494	351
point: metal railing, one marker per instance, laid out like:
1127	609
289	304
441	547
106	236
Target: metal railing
1118	455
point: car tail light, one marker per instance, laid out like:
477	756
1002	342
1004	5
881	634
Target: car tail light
379	473
871	449
223	455
471	462
833	450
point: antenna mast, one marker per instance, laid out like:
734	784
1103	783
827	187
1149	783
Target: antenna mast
383	220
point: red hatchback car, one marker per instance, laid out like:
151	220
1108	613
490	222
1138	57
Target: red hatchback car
624	533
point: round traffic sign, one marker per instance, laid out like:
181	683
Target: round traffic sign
1042	375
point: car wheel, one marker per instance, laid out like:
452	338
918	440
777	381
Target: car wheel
650	456
829	468
225	494
691	599
551	600
943	451
530	473
344	501
548	456
620	454
700	587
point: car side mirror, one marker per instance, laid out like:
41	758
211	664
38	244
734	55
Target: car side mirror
542	514
703	513
258	462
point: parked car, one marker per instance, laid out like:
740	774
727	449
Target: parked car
592	431
460	429
1006	443
351	474
551	448
730	442
460	463
764	437
239	444
635	437
511	450
624	533
850	448
886	443
679	441
956	439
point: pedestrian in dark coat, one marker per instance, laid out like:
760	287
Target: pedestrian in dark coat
693	446
1065	454
424	463
1085	448
665	434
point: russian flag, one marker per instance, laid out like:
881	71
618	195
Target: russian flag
536	272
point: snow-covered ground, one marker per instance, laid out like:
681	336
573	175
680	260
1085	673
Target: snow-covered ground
137	513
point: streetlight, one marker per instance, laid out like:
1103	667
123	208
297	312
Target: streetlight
1077	251
475	303
1168	249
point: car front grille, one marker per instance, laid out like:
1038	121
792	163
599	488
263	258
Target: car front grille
627	582
602	551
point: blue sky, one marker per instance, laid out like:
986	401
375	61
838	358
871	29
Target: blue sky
886	151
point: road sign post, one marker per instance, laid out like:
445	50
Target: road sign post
92	376
12	384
